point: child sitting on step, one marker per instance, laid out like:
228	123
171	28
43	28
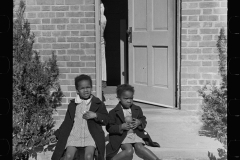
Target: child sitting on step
82	126
126	129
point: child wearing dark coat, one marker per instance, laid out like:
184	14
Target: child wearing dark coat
82	126
126	129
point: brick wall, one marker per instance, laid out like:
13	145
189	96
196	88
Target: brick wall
201	23
66	27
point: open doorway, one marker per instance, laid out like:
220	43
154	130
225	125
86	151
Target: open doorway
115	35
148	53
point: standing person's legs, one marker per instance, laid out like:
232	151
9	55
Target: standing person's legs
126	153
144	152
89	153
69	154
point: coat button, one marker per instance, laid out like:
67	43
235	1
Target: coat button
145	133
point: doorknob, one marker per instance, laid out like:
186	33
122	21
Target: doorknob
129	33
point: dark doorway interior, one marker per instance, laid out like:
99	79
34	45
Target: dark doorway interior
115	10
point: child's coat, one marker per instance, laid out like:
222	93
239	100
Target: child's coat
94	127
115	136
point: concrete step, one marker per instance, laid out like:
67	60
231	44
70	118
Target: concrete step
111	99
109	90
177	132
110	95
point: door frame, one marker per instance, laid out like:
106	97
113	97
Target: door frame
177	59
98	50
123	51
178	53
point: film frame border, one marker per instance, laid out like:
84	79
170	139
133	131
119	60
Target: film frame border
233	135
6	18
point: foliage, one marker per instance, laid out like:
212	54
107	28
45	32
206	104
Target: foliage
215	100
36	91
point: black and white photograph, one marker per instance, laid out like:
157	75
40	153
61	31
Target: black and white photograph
119	80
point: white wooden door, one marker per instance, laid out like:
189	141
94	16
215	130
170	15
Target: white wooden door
152	51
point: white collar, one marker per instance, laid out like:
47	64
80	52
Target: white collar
126	109
79	100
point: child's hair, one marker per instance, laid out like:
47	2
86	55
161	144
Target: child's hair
122	88
82	77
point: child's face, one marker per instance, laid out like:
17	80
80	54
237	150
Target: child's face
84	89
126	99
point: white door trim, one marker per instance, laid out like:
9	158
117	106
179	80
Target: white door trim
123	51
98	51
178	54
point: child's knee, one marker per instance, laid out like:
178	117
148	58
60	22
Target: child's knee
69	156
88	156
129	152
138	147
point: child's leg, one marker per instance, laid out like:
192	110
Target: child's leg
89	153
144	152
126	153
70	152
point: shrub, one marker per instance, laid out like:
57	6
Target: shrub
215	98
36	91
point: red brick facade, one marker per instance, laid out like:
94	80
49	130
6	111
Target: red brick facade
201	23
68	28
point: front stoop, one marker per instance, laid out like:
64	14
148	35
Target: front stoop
111	100
47	156
177	131
110	96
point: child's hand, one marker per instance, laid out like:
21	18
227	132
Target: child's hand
126	126
135	123
89	115
128	119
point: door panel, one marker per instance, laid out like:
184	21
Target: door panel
140	19
152	51
160	57
140	65
160	15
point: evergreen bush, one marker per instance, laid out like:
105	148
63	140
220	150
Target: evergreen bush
215	99
36	91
